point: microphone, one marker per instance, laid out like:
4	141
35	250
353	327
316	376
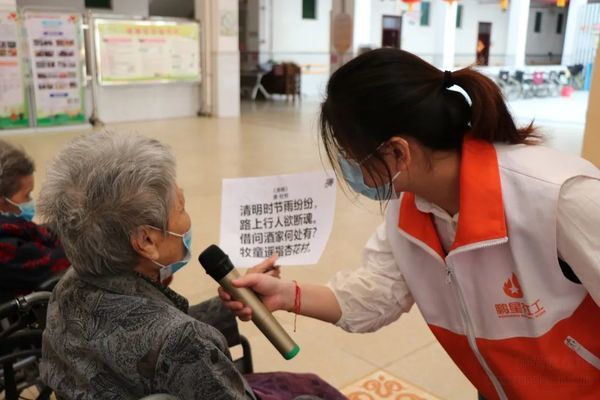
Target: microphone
218	265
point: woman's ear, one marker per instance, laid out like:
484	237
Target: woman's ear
145	242
402	152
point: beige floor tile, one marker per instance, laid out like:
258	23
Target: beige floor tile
380	348
382	385
431	368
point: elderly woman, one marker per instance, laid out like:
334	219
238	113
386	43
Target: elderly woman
113	330
30	255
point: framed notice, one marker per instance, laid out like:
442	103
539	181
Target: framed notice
55	50
149	51
13	103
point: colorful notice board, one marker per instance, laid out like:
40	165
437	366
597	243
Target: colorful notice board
13	102
55	50
129	52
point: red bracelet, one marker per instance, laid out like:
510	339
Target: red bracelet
297	303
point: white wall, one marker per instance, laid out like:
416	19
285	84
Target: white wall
265	30
421	39
226	67
466	36
362	25
303	41
292	34
414	37
221	56
539	44
378	10
148	102
250	40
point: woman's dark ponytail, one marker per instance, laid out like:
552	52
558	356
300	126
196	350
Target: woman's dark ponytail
490	119
390	92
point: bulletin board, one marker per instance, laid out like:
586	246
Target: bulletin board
146	51
13	102
55	46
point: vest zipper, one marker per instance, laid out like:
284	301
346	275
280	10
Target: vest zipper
582	352
451	279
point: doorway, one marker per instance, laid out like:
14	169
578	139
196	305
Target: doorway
391	31
484	35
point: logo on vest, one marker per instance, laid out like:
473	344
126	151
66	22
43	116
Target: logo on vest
512	288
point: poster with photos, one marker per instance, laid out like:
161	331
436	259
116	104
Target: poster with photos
54	43
13	103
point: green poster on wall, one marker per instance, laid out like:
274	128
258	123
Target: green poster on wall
133	52
13	103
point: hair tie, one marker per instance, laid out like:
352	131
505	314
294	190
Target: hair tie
448	79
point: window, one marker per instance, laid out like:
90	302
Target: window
559	23
537	28
98	4
309	9
459	12
425	13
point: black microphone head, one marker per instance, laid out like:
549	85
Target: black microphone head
215	262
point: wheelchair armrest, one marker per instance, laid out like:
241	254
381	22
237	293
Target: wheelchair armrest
49	283
213	312
24	338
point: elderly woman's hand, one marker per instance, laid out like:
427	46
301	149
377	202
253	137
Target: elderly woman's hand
267	267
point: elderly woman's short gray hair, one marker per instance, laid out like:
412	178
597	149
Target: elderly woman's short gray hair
14	165
99	190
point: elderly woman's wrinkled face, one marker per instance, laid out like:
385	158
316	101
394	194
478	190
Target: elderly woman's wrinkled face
155	247
172	249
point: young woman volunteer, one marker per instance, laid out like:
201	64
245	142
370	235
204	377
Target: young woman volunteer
495	237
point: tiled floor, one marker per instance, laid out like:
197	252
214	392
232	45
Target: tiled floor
274	139
381	385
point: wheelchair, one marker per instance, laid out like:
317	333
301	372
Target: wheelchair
511	87
22	321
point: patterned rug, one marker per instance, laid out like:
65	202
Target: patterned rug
382	385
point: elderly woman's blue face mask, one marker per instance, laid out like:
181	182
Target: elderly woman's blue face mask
27	209
167	270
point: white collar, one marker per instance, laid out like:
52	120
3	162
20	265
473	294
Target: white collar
430	208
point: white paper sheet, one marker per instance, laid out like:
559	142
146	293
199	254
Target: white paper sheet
291	215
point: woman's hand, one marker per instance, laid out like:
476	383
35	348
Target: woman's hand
264	280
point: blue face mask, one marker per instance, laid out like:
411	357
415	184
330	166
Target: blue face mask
168	270
353	175
27	209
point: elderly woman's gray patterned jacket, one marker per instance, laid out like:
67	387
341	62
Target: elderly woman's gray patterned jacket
123	337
